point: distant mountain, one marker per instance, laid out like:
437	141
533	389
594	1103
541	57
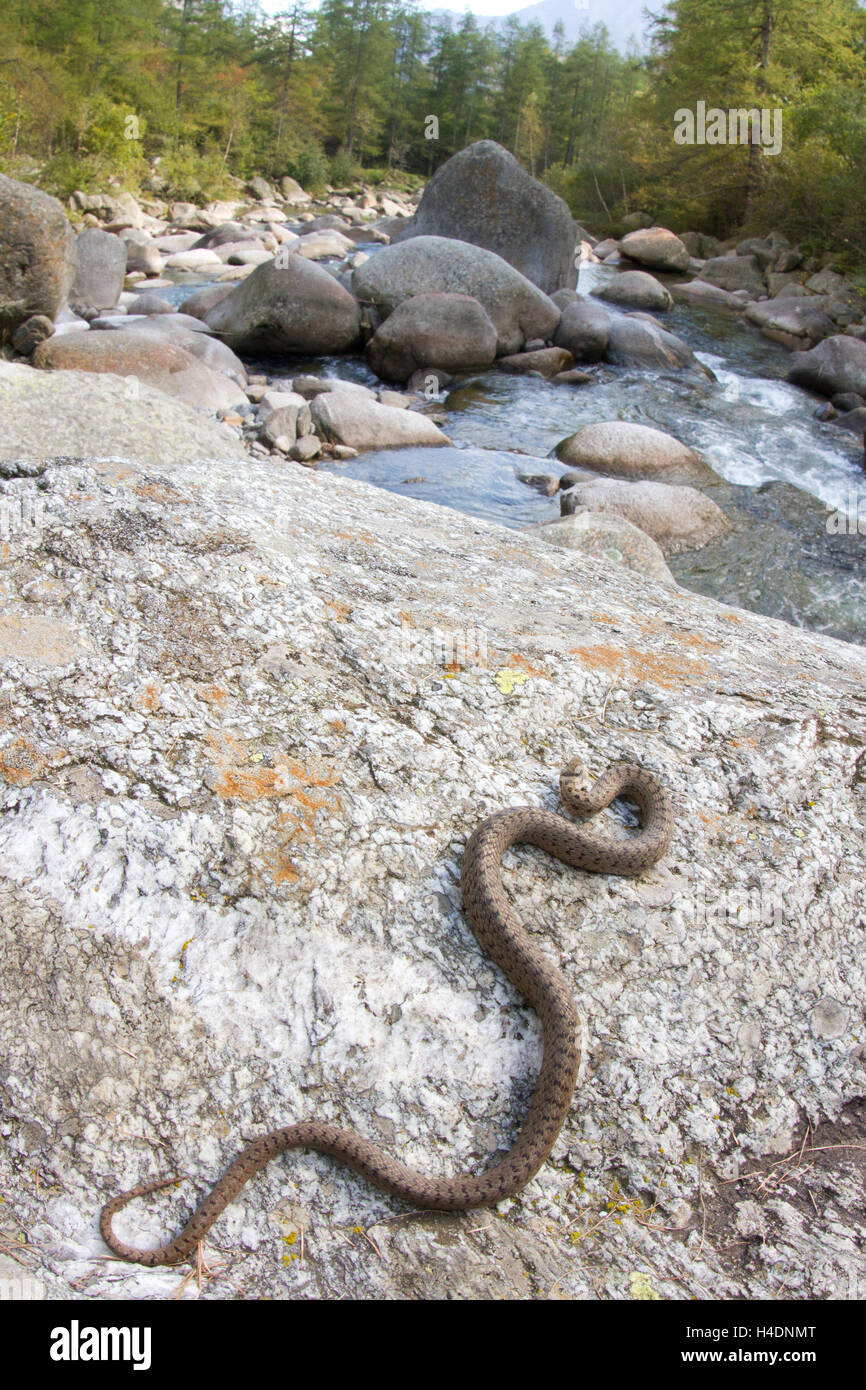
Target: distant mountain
624	18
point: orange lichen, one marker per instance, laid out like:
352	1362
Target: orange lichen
159	492
21	762
213	695
342	610
669	672
148	698
514	659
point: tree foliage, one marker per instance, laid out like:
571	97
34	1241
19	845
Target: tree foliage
320	92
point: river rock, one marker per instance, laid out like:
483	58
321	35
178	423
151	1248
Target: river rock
343	417
202	259
215	355
243	253
144	356
584	330
735	273
678	518
261	189
606	537
309	386
794	322
517	308
635	221
703	292
620	449
836	364
701	245
853	420
100	269
655	247
609	246
238	772
225	234
483	196
166	325
294	307
547	362
829	282
29	334
107	415
149	304
142	254
198	304
632	342
432	330
316	246
637	289
126	212
764	250
37	254
288	421
293	193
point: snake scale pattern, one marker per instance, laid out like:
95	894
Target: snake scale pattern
502	936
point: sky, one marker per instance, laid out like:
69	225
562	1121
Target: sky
479	7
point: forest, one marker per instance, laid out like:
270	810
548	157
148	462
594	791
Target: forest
179	97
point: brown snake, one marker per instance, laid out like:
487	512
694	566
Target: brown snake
502	936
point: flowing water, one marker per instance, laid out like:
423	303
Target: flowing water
791	484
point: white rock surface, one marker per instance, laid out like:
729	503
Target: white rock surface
247	719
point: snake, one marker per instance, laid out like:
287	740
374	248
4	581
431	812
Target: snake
501	934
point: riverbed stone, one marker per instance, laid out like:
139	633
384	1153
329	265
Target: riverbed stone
795	322
100	269
37	254
546	362
344	417
678	518
484	196
621	449
143	356
634	342
584	330
637	289
452	331
836	364
294	306
735	273
608	537
655	247
112	416
518	309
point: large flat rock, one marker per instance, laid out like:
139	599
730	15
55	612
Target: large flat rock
248	717
49	414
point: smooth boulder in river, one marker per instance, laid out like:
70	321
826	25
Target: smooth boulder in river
432	330
145	356
482	195
518	309
621	449
37	254
288	304
837	364
678	518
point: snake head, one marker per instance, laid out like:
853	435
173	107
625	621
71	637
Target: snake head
574	779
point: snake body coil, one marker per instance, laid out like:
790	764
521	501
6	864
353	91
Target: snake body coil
502	936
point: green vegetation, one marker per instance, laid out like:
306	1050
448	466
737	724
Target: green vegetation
180	96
